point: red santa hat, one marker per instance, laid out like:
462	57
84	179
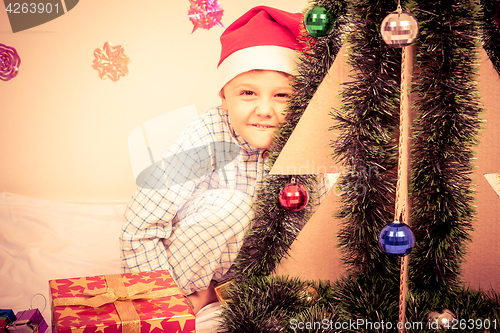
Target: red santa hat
263	38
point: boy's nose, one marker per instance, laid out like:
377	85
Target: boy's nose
264	109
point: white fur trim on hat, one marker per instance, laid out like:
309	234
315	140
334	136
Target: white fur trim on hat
268	57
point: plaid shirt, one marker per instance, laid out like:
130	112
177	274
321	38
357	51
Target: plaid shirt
209	155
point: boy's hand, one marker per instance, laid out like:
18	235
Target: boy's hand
201	298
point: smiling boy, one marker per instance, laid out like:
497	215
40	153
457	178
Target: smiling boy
256	101
195	227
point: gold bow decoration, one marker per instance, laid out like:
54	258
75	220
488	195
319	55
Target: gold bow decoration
122	297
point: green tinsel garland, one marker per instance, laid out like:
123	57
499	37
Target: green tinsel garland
367	145
491	31
277	304
444	132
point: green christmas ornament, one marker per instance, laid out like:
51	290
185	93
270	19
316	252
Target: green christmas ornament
318	21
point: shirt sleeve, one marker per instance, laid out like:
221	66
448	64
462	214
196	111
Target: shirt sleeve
167	186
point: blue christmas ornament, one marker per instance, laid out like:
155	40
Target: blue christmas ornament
396	239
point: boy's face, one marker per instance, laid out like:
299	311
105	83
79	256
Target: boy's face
255	101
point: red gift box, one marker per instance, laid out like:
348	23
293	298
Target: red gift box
130	302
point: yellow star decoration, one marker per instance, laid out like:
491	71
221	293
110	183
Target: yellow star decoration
95	318
173	301
69	312
100	328
114	317
182	318
75	292
54	284
126	280
158	311
76	322
165	277
138	307
156	305
155	324
99	310
136	274
152	284
77	330
82	282
146	277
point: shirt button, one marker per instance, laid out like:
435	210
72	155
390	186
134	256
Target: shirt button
265	154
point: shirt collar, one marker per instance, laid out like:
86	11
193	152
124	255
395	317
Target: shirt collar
236	137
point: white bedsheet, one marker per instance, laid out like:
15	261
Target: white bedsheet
41	240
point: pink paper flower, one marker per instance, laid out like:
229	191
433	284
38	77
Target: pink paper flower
110	62
205	14
9	62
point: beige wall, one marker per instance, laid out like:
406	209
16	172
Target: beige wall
63	130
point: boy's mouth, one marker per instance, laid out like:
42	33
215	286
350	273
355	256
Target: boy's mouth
262	126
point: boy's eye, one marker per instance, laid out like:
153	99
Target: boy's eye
247	93
283	95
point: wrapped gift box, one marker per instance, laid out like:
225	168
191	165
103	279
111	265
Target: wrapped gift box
29	321
7	316
129	302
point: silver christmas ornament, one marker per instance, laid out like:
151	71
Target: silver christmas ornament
441	320
399	28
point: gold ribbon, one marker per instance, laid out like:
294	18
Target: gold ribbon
121	297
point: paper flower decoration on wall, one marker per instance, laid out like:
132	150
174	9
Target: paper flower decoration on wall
205	14
111	62
9	62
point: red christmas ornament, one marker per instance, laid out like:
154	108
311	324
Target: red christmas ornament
294	196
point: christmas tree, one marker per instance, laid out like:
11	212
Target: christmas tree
444	129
